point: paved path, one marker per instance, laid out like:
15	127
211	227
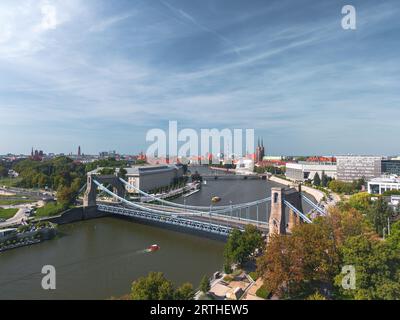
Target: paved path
19	216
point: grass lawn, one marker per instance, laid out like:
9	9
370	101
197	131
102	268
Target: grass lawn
262	292
7	202
49	210
9	182
7	213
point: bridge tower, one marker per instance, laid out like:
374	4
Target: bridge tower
277	219
89	198
294	197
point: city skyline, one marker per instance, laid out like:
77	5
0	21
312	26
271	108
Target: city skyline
103	75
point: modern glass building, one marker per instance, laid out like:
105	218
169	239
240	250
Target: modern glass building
391	167
351	168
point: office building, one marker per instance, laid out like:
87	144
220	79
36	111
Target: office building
351	168
390	167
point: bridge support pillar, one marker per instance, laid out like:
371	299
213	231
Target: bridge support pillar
277	218
294	219
119	190
89	198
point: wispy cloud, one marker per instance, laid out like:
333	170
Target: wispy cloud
74	71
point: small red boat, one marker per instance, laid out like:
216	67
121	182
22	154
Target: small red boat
153	247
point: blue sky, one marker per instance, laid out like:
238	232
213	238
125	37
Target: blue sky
101	73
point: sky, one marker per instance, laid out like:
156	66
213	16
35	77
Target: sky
100	74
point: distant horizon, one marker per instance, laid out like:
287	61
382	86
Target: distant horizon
138	153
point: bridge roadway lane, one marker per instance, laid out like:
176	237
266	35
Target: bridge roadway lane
223	220
231	223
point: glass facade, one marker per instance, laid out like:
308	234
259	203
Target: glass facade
391	167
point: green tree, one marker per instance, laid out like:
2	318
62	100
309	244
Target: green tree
393	239
309	259
378	215
324	179
361	201
152	287
107	171
205	284
3	171
317	180
241	245
122	173
377	269
65	195
359	184
184	292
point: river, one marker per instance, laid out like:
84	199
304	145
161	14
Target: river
99	259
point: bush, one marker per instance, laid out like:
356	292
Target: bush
262	292
228	278
253	275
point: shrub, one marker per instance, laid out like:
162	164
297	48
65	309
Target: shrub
262	292
253	275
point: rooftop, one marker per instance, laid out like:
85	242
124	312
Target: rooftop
386	179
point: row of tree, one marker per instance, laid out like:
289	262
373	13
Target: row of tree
61	174
310	261
155	286
3	171
347	187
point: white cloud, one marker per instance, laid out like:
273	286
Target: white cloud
49	17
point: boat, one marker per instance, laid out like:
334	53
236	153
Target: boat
215	199
153	247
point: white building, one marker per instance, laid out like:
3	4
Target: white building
148	177
244	166
305	170
384	183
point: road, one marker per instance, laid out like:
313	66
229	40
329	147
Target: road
17	218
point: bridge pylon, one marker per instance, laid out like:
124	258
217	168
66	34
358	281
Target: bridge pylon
277	218
89	198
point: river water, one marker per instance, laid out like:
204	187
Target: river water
99	258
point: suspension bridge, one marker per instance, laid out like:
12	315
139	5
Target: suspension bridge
278	213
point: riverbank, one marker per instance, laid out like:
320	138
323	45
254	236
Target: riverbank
26	235
317	194
75	215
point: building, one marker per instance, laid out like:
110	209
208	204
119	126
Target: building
351	168
149	177
244	166
260	151
306	170
384	183
391	167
